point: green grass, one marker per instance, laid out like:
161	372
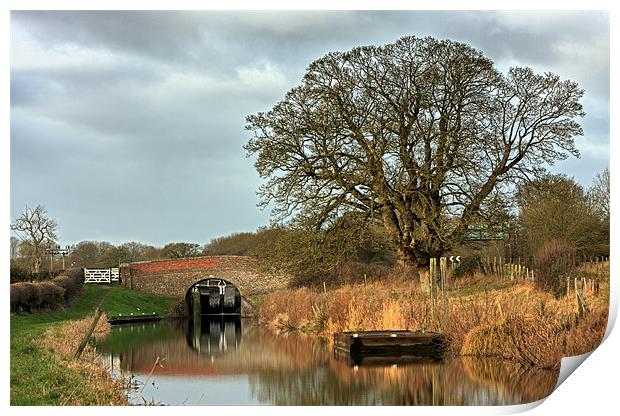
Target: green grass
122	301
40	378
484	286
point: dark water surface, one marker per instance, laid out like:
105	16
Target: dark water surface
234	362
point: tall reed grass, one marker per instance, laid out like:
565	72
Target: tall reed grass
513	320
102	389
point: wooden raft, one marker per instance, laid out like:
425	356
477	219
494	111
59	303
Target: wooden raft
393	343
132	319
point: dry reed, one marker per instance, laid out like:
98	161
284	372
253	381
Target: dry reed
513	320
63	340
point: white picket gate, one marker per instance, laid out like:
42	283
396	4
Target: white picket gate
101	275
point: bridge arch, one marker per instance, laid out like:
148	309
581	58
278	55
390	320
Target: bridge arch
173	277
213	296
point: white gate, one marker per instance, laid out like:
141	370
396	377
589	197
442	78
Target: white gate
101	275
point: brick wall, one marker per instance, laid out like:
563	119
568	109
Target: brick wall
174	277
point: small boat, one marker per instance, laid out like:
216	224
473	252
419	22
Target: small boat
391	343
132	319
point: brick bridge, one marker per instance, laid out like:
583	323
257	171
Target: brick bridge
173	277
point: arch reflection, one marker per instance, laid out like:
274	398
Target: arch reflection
214	335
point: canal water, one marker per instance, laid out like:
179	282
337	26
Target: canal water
235	362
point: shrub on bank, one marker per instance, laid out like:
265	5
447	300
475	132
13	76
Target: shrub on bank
555	260
71	287
467	267
532	340
73	284
49	294
24	297
19	274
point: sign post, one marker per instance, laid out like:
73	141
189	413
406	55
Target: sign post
454	259
57	250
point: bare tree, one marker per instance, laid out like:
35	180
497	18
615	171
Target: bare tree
599	193
14	247
423	135
36	229
555	207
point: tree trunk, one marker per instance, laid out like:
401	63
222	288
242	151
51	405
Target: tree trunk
37	263
407	257
415	258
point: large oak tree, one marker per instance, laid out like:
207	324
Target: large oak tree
424	135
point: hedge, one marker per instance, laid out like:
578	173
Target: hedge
48	294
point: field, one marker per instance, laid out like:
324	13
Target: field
42	373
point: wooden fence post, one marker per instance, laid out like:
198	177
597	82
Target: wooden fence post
576	289
443	267
583	285
93	325
431	278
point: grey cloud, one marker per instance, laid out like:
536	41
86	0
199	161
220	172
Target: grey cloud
156	34
130	125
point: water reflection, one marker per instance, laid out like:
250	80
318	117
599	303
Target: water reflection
214	335
207	363
357	360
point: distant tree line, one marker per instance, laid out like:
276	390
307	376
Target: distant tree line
99	254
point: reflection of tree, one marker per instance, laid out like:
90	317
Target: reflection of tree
524	383
312	386
418	384
452	382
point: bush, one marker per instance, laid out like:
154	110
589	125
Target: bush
24	297
71	287
72	282
51	296
76	274
46	275
41	275
531	340
555	260
19	274
467	267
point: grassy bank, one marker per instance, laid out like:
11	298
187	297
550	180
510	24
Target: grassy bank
43	374
485	316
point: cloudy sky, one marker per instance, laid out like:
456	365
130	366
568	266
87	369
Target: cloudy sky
129	126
